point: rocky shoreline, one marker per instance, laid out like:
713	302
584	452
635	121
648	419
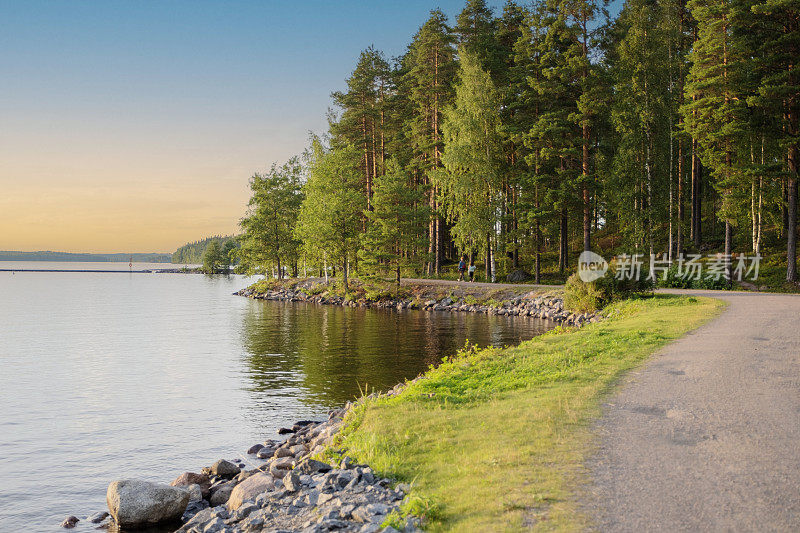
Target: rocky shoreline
288	491
532	304
291	489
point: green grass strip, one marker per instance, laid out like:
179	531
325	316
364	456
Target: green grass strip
495	439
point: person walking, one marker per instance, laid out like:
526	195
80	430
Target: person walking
472	271
462	268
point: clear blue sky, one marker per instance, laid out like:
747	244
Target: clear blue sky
134	125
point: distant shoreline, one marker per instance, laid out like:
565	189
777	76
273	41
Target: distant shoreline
146	271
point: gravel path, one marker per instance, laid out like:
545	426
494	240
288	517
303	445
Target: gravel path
706	437
467	284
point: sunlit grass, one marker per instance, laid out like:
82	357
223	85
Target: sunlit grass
494	440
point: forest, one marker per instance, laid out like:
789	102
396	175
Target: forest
519	138
194	252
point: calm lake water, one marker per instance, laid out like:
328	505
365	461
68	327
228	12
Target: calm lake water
113	375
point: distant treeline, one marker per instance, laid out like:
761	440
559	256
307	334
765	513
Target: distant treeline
73	257
193	252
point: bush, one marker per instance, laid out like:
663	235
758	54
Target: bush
583	297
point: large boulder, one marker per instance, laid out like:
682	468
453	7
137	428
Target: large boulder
223	468
135	503
249	489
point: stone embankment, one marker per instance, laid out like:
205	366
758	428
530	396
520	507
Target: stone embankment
532	304
284	489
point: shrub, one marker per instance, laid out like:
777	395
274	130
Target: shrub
583	297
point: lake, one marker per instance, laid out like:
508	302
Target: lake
115	375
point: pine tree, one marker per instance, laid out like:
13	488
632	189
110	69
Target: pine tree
715	113
475	31
430	74
363	121
553	138
642	120
778	96
470	184
392	242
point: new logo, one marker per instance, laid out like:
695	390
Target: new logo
591	266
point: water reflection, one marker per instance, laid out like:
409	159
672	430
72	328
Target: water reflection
325	355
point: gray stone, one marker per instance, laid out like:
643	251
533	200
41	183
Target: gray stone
266	452
197	521
249	489
255	448
292	482
195	492
214	526
283	452
221	495
135	503
69	522
223	468
312	466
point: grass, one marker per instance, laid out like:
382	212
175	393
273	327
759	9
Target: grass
495	439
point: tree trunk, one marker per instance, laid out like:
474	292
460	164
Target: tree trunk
791	216
345	268
563	248
679	232
488	266
728	249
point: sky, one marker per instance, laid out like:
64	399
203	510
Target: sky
133	126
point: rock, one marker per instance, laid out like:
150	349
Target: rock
197	521
298	449
244	474
249	489
195	492
312	466
283	452
221	494
193	508
69	522
284	431
190	478
254	449
135	503
292	482
266	452
97	517
223	468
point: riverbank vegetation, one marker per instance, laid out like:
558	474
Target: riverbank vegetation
520	138
495	439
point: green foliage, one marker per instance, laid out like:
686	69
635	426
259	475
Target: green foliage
521	134
392	242
212	258
470	184
583	297
329	217
194	252
268	238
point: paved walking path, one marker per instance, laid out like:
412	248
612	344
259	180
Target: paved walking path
706	437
